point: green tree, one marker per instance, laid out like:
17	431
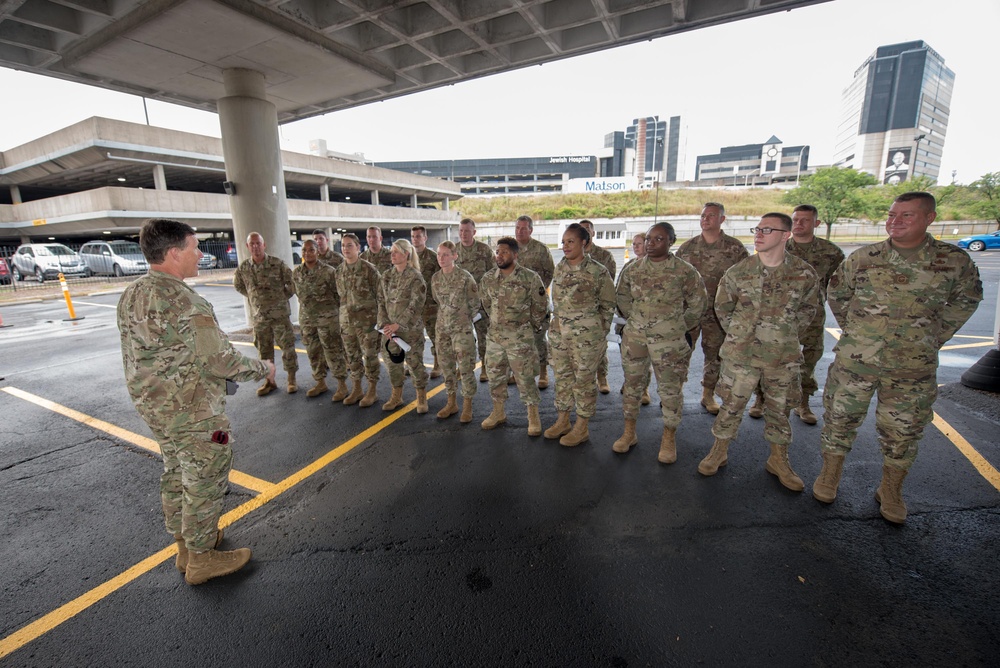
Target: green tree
987	189
836	192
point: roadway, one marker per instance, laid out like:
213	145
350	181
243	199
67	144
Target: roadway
398	539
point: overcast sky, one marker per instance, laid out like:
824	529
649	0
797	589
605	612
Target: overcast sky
738	83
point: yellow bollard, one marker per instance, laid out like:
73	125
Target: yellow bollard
69	302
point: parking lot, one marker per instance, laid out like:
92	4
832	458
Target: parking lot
398	539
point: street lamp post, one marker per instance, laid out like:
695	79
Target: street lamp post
916	150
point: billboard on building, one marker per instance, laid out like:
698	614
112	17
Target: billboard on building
608	184
897	166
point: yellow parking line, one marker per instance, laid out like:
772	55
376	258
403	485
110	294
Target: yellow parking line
969	345
51	620
250	345
236	477
984	467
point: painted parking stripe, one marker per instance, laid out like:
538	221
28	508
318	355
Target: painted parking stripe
236	477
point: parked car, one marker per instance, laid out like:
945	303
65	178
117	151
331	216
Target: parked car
296	252
232	260
114	258
207	261
4	272
980	242
46	261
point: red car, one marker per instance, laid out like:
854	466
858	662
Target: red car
4	272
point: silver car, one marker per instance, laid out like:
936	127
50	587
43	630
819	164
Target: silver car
114	258
46	261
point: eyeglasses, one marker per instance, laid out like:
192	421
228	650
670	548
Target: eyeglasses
767	230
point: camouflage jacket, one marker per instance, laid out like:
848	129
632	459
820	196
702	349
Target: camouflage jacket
897	313
583	297
661	300
458	300
176	358
401	299
319	301
267	285
712	260
331	257
428	267
358	287
822	255
514	302
603	256
765	310
477	259
536	256
381	260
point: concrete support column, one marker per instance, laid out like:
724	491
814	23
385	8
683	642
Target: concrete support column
445	206
159	177
324	192
413	201
15	194
251	150
374	198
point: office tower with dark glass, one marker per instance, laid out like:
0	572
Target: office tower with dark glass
895	114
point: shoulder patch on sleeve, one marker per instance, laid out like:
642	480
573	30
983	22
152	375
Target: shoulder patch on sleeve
203	321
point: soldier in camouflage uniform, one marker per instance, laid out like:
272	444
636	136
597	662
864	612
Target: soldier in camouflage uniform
457	295
376	253
358	286
319	320
764	304
638	252
476	258
711	253
326	254
267	283
428	267
897	302
583	298
535	255
515	299
604	257
662	297
176	362
402	292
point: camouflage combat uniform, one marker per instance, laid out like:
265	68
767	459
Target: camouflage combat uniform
583	299
605	258
358	285
477	259
661	301
517	305
176	362
382	260
330	257
268	286
536	256
896	311
458	301
401	301
319	319
711	261
824	257
763	310
428	267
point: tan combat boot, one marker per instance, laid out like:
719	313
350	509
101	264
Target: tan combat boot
355	395
341	392
371	395
804	412
450	408
716	458
483	377
825	487
266	388
668	446
496	418
395	400
182	551
317	389
890	494
645	397
579	434
561	427
602	383
421	400
543	379
203	566
778	465
628	439
708	401
436	369
757	410
466	416
534	422
292	385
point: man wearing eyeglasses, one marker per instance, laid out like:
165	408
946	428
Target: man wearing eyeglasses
764	304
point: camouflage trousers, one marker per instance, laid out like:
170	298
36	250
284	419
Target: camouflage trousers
902	409
414	359
576	354
670	361
457	358
812	353
712	336
325	349
482	327
430	324
361	345
264	334
194	481
541	345
518	353
737	383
